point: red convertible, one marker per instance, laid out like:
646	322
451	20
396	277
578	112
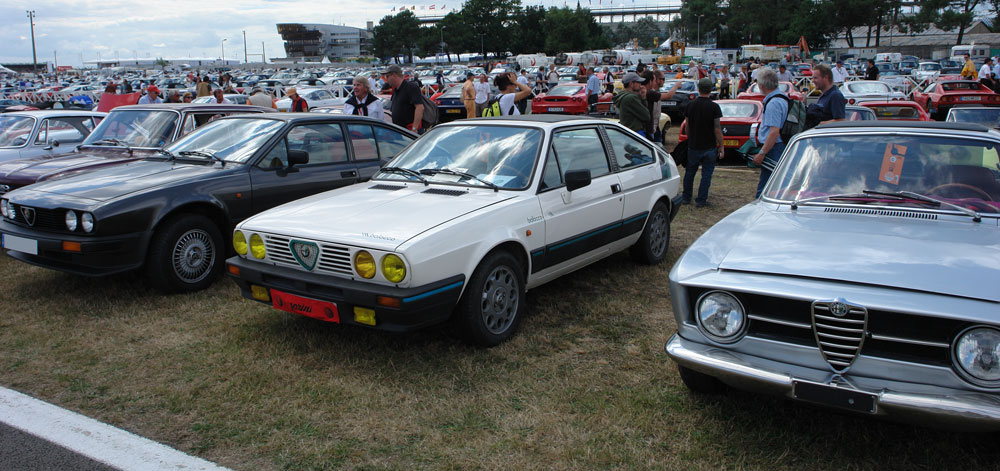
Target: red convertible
739	121
898	110
754	92
938	97
568	98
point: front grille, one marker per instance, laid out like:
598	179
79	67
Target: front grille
882	212
45	219
333	259
840	331
736	130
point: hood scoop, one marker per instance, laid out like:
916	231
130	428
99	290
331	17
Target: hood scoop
882	212
445	191
382	186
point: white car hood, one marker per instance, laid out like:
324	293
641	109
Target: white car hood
959	258
375	218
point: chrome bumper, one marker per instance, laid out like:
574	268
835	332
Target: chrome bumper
906	402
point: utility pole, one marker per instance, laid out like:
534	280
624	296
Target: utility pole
223	51
55	59
34	58
245	47
263	57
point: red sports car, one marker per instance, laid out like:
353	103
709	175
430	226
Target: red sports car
899	110
567	98
754	93
740	119
938	97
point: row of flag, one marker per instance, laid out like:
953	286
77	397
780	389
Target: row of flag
443	7
422	7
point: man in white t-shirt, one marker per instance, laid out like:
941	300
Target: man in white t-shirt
839	74
986	73
482	88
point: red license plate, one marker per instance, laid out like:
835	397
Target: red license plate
322	310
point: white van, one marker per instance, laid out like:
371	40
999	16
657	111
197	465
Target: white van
891	57
975	51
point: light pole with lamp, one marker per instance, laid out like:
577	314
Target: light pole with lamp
223	51
441	30
699	29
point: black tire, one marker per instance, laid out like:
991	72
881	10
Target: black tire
492	306
700	383
654	243
185	255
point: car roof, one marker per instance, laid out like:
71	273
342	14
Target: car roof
914	125
549	119
305	117
193	106
51	113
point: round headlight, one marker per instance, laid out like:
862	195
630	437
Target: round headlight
364	264
721	316
87	222
3	207
393	268
257	246
977	353
240	242
71	220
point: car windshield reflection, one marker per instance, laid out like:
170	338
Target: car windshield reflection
989	117
15	130
139	128
965	172
232	140
501	155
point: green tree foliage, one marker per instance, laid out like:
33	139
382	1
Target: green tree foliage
947	14
530	37
572	30
396	34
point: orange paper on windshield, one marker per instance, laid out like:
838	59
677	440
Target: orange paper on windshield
892	163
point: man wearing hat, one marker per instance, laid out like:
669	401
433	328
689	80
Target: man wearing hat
632	113
151	97
705	144
407	106
298	103
839	74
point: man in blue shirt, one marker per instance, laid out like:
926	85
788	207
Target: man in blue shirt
831	106
593	89
769	131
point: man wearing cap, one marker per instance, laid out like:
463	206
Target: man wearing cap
407	105
151	97
298	103
839	74
705	144
632	113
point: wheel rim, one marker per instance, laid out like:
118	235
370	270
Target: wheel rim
658	234
193	256
500	299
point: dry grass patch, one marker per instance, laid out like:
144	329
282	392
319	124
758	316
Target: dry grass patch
585	385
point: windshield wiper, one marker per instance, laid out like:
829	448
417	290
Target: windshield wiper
405	171
170	155
448	171
202	153
927	199
117	142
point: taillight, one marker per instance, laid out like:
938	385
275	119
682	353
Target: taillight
692	96
538	98
851	101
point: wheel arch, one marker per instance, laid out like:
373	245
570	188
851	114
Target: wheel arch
213	211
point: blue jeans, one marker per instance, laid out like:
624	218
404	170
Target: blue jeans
765	174
707	159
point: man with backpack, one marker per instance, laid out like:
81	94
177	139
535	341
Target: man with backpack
407	105
776	107
511	91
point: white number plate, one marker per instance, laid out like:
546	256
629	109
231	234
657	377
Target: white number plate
555	110
970	98
670	103
20	244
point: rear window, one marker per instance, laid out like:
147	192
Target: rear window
953	86
896	112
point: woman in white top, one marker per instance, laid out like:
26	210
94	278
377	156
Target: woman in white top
362	102
511	91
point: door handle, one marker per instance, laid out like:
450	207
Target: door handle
616	188
349	174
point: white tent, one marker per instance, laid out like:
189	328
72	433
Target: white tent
4	70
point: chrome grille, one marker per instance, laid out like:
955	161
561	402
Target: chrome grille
839	328
333	259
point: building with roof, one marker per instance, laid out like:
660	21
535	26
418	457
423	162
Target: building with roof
316	42
933	43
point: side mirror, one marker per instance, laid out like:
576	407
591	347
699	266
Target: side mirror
54	143
297	157
576	179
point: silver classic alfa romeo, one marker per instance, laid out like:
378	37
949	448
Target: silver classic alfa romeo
866	278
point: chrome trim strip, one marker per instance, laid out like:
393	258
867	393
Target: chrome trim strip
838	337
844	329
839	319
911	341
834	345
778	321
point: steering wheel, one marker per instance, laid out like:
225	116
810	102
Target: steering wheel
979	192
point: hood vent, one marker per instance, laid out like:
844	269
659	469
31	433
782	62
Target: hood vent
444	191
882	212
381	186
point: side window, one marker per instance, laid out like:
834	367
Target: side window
581	149
629	152
277	158
363	141
390	142
42	133
324	142
551	174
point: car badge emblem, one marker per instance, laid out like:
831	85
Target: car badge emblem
306	253
725	131
29	215
838	309
840	329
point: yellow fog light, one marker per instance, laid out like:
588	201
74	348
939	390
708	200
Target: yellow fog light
260	293
257	246
363	315
364	264
240	242
393	268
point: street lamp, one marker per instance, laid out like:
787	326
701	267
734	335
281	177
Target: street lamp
34	58
699	30
223	51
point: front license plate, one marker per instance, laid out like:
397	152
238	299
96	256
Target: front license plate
835	396
456	111
555	110
970	98
322	310
730	142
20	244
670	103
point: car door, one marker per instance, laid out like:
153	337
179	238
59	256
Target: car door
584	220
637	169
329	166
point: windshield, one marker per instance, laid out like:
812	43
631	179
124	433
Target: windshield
904	113
962	171
930	66
857	114
501	155
565	90
782	86
738	110
949	63
868	87
138	128
15	130
232	140
686	86
989	117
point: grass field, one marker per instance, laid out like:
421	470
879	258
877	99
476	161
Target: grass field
585	385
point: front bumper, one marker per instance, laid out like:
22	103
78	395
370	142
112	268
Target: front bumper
906	402
98	256
419	307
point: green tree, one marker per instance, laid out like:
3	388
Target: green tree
531	33
491	22
572	30
395	34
